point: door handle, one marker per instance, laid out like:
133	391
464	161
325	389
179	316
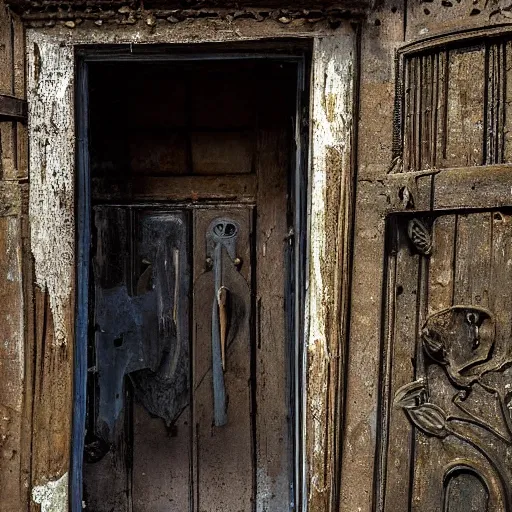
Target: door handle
221	239
222	302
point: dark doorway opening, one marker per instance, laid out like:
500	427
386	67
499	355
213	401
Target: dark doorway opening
188	366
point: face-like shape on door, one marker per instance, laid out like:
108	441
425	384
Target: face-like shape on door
462	339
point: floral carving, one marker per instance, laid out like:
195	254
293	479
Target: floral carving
460	339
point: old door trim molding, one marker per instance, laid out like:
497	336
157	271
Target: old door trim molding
53	182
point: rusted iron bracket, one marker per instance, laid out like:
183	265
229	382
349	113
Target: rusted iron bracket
12	109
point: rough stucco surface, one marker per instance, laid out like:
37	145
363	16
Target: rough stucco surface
52	150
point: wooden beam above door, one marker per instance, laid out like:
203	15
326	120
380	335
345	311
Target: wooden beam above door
183	188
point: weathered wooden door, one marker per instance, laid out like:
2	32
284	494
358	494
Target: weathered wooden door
173	343
428	423
444	422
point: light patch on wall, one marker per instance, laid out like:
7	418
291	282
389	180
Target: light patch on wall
331	121
52	154
52	496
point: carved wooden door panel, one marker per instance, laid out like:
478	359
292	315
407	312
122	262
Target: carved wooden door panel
169	416
445	438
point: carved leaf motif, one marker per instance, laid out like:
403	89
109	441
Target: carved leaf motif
429	418
411	395
420	236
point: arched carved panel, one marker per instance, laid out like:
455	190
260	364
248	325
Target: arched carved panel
447	366
454	104
465	491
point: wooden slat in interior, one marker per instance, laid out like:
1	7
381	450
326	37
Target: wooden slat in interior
186	188
223	456
161	475
273	352
107	481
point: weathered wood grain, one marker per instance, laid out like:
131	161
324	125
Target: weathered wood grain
52	244
162	430
440	282
272	351
139	401
223	455
465	108
16	284
12	355
401	340
184	188
381	34
331	178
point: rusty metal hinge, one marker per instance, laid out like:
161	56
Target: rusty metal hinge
12	109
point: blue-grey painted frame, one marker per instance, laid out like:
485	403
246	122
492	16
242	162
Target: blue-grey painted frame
83	237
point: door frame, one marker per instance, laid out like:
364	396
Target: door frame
295	292
323	244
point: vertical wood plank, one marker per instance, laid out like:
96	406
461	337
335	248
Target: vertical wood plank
441	107
396	471
426	111
501	278
472	262
332	103
507	107
408	115
15	415
11	365
7	128
465	108
6	51
440	281
273	449
162	430
21	129
106	475
51	127
224	469
29	352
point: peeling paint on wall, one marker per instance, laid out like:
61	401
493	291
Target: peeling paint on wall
331	122
52	154
52	496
